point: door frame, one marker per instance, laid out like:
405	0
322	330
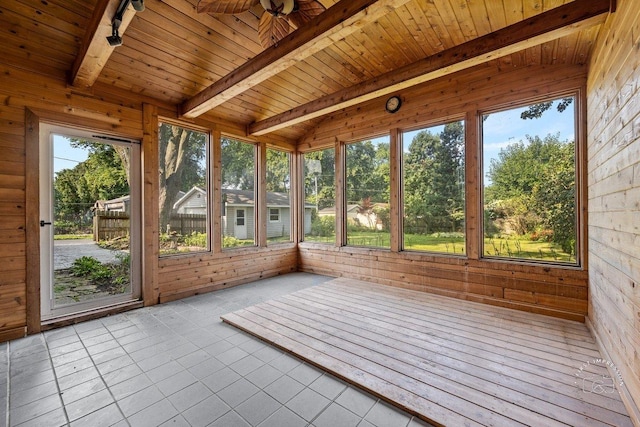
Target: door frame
34	119
47	311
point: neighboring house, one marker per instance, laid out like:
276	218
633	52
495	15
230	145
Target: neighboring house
369	220
238	214
120	204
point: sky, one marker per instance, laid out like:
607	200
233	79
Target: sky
65	156
500	129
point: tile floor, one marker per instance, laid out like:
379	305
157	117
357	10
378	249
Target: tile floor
177	364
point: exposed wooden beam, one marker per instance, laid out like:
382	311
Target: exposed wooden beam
337	22
94	49
553	24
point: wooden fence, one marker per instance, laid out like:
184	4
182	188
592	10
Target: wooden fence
185	224
110	225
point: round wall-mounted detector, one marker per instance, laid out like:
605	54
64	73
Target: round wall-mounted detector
393	104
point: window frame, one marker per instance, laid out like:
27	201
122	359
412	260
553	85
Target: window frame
343	173
208	178
425	126
222	200
271	214
580	178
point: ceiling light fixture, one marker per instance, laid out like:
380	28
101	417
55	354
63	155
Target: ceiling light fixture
114	39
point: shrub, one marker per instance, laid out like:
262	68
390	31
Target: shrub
230	242
196	239
323	226
85	265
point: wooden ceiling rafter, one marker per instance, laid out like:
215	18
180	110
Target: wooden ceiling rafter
94	51
334	24
547	26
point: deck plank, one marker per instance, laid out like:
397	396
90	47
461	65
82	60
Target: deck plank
447	361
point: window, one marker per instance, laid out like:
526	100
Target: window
238	193
367	193
184	189
529	197
278	196
320	195
433	178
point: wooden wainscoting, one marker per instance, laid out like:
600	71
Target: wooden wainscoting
543	289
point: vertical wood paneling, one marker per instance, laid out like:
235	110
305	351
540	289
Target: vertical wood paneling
32	212
473	177
261	199
150	204
613	118
216	185
395	193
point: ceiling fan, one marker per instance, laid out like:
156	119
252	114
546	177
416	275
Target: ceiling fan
277	19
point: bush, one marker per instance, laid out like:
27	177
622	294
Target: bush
90	267
323	226
230	242
542	235
66	227
196	239
85	265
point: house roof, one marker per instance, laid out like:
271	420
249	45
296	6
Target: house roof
241	198
358	51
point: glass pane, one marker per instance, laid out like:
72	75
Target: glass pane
278	196
433	177
91	229
320	195
367	193
184	190
529	182
238	198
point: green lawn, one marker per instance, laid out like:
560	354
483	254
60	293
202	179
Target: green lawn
72	236
509	247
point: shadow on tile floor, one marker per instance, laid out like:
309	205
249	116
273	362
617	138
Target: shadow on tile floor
177	364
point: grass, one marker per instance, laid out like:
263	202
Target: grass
503	247
72	236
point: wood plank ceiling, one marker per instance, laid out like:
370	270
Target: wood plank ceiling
170	53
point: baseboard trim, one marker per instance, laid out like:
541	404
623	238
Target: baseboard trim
12	334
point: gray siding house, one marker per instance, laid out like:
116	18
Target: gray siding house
238	212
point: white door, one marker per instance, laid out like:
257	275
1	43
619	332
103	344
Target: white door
240	224
88	190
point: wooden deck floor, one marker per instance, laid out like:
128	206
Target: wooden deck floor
448	361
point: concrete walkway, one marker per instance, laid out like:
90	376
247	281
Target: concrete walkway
66	251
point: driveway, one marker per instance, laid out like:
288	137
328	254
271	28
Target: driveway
66	251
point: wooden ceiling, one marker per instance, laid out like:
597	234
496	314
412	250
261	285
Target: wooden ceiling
170	53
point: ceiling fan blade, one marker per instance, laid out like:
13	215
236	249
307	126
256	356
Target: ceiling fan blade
225	6
306	11
271	30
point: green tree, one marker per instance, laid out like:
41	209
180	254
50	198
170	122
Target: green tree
278	171
364	171
102	176
182	154
238	164
325	175
434	180
533	184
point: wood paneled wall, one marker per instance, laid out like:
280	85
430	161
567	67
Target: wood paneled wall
547	289
115	112
614	195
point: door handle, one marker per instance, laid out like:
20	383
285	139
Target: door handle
43	223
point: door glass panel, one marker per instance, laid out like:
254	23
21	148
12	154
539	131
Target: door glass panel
86	250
